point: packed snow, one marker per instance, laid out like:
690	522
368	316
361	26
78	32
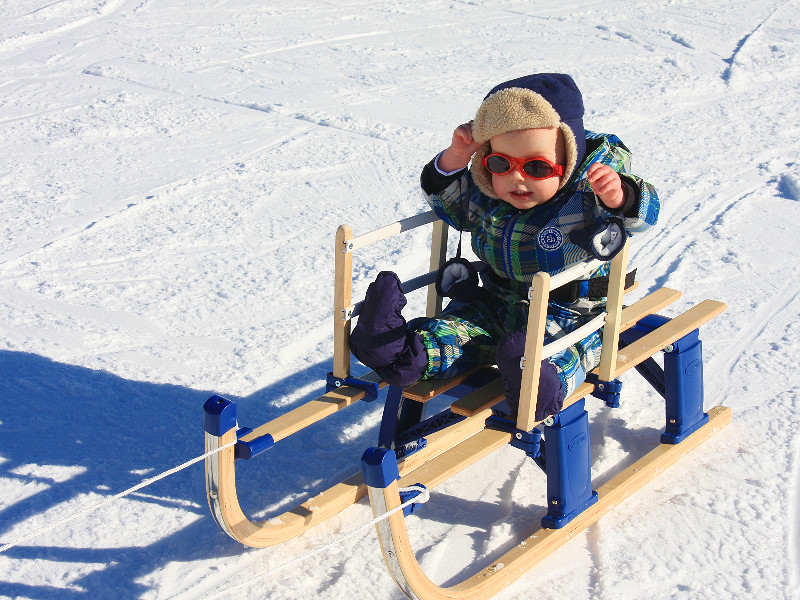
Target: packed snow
171	178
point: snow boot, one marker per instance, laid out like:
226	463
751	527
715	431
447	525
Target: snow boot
381	339
510	351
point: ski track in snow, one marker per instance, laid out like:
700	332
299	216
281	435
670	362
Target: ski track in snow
172	177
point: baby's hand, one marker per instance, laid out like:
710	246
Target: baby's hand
461	149
607	185
463	140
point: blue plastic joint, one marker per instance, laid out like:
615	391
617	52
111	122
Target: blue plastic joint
369	387
568	467
607	391
408	495
527	441
219	416
247	450
380	467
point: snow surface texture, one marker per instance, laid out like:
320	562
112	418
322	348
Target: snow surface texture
171	177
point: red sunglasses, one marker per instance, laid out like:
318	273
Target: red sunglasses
533	168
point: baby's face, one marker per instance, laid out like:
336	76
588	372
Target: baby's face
521	191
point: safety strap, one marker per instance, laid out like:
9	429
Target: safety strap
597	287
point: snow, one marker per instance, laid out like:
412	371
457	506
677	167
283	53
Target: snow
172	176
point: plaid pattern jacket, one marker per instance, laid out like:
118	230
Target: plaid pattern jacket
518	243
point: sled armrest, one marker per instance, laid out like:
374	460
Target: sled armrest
312	411
655	341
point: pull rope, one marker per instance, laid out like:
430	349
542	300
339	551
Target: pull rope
114	498
423	496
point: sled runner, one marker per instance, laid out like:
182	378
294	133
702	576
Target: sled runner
415	448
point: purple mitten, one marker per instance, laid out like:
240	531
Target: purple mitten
381	339
510	351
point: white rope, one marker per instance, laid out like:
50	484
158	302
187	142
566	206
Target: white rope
423	496
114	498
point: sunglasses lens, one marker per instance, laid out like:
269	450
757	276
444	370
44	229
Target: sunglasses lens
497	164
538	169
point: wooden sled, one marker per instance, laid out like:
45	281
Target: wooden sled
427	450
560	444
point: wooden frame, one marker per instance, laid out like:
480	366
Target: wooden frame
346	244
220	468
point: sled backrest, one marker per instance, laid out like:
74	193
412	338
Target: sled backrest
535	350
345	310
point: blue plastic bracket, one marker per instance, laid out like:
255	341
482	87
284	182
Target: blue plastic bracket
247	450
380	467
607	391
527	441
568	466
408	495
683	378
369	387
219	416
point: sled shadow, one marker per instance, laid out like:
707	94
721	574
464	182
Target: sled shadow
70	434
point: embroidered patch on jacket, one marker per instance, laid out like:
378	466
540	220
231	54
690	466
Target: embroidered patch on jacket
551	238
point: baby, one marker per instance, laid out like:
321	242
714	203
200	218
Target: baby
540	194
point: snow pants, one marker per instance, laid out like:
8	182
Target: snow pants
465	335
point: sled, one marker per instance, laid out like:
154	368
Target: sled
414	448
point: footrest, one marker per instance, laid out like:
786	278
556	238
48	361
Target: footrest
426	389
481	399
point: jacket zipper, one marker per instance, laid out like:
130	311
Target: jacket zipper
506	249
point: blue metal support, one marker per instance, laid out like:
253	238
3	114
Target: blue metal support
399	415
607	391
568	466
680	382
527	441
248	450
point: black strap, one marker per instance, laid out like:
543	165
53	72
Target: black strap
597	287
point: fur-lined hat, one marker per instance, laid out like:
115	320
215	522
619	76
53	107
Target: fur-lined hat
532	102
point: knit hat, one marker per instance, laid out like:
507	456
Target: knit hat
532	102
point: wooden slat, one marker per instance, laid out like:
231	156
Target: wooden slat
650	304
534	342
616	288
394	229
312	411
669	332
458	458
342	299
426	389
433	306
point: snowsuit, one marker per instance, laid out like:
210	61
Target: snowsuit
515	244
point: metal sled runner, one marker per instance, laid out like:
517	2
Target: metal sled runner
414	448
